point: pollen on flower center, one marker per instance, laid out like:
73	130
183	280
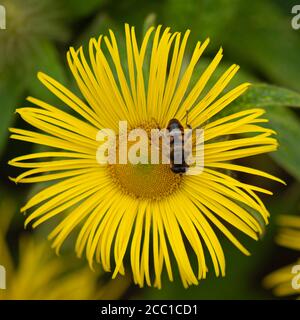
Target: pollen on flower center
146	181
150	181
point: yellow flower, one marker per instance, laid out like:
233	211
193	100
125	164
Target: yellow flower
39	274
281	281
146	211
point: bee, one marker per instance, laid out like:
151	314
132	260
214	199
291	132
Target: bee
175	128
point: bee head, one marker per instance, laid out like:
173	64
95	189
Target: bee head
174	124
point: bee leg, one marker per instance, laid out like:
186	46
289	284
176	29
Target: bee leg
187	120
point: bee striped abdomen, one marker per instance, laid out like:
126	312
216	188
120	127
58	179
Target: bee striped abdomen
178	164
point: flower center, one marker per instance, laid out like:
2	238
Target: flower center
151	181
146	181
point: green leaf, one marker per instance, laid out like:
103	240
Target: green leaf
287	126
265	40
264	95
281	119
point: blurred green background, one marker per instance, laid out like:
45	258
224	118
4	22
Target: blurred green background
255	34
